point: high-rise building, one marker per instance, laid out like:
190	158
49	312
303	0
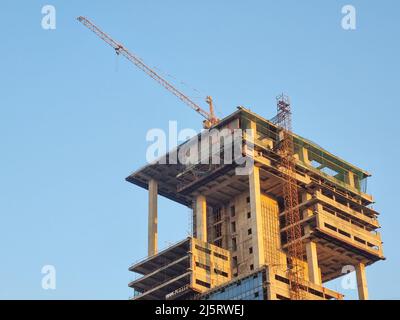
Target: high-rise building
239	245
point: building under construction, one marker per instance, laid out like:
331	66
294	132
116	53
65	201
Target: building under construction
278	225
245	242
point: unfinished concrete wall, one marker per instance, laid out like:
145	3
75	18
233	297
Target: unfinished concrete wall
231	227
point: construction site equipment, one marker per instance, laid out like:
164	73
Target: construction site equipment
210	118
291	201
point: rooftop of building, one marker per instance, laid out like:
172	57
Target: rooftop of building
324	163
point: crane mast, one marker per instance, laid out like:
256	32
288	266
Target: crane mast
210	118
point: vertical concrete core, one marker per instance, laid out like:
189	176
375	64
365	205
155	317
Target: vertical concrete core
152	223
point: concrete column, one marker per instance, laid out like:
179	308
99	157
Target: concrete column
361	282
351	179
312	262
318	206
305	155
305	196
271	285
314	274
201	218
320	275
256	213
152	223
255	208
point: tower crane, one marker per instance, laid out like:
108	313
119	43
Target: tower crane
210	118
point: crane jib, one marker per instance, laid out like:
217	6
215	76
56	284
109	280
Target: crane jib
120	49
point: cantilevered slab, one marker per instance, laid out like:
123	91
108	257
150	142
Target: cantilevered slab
165	256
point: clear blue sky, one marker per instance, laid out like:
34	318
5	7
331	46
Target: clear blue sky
73	120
